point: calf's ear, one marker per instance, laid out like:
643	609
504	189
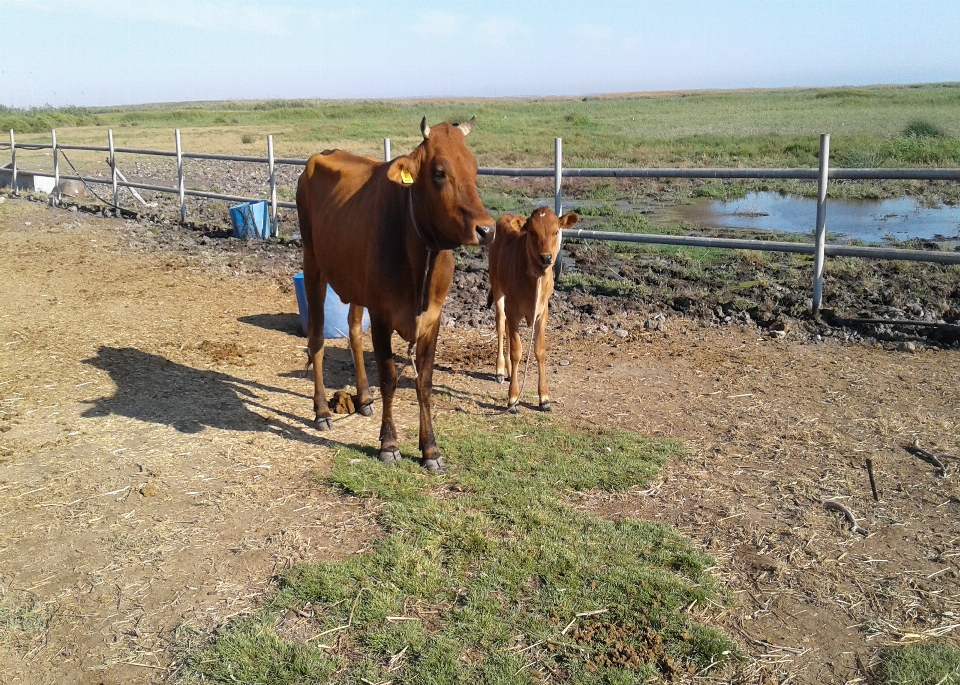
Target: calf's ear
403	170
518	222
569	219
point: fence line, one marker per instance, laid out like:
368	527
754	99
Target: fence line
819	249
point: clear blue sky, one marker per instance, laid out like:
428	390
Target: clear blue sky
108	52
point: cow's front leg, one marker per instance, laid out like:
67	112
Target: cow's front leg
387	370
516	352
364	398
316	291
540	349
426	351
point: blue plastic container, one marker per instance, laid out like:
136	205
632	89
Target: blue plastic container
250	220
335	323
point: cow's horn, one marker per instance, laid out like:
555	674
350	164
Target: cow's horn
424	129
467	127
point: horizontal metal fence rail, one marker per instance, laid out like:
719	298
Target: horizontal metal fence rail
766	246
793	174
818	249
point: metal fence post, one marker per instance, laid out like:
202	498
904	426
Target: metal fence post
56	167
273	187
113	170
820	236
386	149
13	164
558	198
183	206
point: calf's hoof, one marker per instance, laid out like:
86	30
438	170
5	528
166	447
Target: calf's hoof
323	423
365	409
499	378
513	408
544	406
390	455
433	464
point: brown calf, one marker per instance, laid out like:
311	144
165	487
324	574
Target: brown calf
381	234
521	282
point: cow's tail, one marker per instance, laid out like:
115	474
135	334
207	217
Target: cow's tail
490	298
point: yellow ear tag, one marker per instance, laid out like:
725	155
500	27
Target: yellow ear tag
405	177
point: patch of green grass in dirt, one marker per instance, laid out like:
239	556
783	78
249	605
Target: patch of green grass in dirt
494	566
930	664
22	616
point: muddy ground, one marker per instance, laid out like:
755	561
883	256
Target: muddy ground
158	465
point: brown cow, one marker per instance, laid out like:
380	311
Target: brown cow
521	282
381	234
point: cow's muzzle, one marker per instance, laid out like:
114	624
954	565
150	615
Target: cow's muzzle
485	234
546	259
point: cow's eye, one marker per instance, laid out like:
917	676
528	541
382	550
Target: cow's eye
439	174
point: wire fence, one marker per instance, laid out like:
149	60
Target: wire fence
819	248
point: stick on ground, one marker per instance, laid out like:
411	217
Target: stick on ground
928	457
836	506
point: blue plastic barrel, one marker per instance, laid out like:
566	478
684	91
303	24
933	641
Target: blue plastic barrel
250	220
335	312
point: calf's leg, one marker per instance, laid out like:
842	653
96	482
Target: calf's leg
516	352
540	349
501	326
364	398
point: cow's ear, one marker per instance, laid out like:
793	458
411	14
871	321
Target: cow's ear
569	219
518	222
403	170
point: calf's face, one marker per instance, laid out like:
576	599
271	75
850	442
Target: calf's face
543	230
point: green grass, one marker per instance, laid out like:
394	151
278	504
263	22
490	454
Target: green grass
928	664
21	615
875	126
493	563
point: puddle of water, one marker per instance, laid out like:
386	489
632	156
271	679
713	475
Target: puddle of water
871	221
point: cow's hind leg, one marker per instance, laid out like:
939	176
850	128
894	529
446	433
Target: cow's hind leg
387	370
316	289
540	349
364	398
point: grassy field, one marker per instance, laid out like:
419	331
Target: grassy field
873	126
490	575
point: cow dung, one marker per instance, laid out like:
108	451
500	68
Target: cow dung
341	403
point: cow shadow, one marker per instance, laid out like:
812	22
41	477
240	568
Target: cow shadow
478	375
284	323
153	389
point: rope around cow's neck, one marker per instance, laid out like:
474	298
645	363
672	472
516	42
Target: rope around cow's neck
423	289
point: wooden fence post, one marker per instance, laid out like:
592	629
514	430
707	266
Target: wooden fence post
386	149
820	237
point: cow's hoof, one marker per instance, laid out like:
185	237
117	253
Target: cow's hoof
366	409
433	465
513	408
390	456
544	406
499	378
323	423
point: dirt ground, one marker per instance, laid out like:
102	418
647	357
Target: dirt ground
158	465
